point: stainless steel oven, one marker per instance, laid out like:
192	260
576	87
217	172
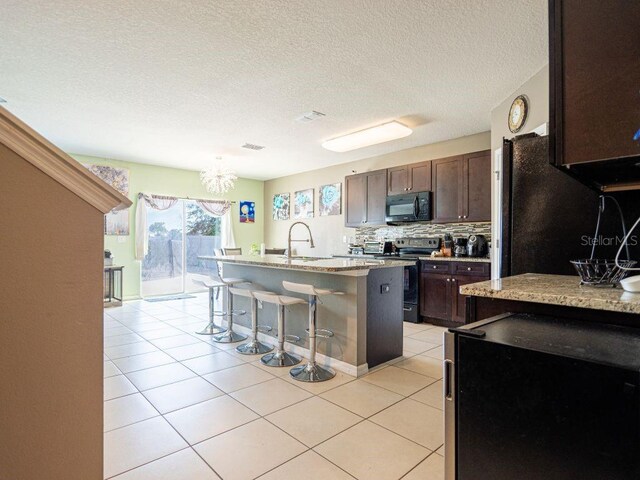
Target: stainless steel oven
412	207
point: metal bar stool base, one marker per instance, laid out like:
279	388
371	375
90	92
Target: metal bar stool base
229	337
312	373
280	359
253	348
211	329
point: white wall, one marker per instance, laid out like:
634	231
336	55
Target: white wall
328	232
537	90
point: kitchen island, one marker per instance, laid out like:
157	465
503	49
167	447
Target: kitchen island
366	320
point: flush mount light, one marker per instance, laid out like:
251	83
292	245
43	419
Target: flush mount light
369	136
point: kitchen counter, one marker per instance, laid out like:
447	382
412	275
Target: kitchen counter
311	264
562	290
457	259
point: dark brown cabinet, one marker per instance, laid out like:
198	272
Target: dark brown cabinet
594	81
365	198
462	188
409	178
435	293
440	299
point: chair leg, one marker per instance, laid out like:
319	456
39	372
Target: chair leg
212	328
229	336
312	372
254	347
280	358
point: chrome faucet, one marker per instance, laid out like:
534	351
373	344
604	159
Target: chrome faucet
310	240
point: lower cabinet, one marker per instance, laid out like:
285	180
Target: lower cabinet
440	281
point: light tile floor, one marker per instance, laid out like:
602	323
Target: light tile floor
181	407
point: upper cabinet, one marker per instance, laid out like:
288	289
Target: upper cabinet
595	77
365	198
409	178
462	188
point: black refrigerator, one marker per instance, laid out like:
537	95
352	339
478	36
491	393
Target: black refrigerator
547	216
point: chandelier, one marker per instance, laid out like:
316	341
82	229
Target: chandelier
218	178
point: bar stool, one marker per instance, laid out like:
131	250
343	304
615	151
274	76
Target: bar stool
312	372
280	358
229	336
214	286
254	346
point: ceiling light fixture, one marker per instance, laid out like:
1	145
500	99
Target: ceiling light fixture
218	178
369	136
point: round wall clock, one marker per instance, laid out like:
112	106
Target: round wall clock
518	113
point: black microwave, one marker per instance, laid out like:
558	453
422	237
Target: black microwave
410	207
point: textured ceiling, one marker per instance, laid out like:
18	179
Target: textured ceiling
178	82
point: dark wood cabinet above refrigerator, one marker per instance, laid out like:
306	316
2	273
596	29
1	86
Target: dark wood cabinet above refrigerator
595	90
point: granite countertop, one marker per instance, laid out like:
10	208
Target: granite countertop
457	259
556	290
308	263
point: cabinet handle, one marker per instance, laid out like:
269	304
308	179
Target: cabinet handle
464	216
468	269
453	280
448	280
459	216
435	266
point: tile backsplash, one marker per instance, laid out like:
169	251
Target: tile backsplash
388	232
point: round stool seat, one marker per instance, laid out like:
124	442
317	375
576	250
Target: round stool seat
246	292
278	299
309	289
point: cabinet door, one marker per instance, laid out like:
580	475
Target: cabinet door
398	180
459	301
447	188
435	296
420	177
376	193
355	204
476	189
595	72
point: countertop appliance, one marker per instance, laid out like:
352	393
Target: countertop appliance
410	249
460	247
410	207
545	214
477	246
355	249
530	397
378	248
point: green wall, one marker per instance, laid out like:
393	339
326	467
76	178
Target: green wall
180	183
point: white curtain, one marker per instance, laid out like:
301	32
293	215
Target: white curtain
157	202
227	239
217	208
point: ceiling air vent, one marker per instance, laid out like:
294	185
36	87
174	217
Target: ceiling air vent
2	100
310	116
252	146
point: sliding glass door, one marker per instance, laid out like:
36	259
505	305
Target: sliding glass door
177	237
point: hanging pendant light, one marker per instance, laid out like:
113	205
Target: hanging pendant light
218	178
